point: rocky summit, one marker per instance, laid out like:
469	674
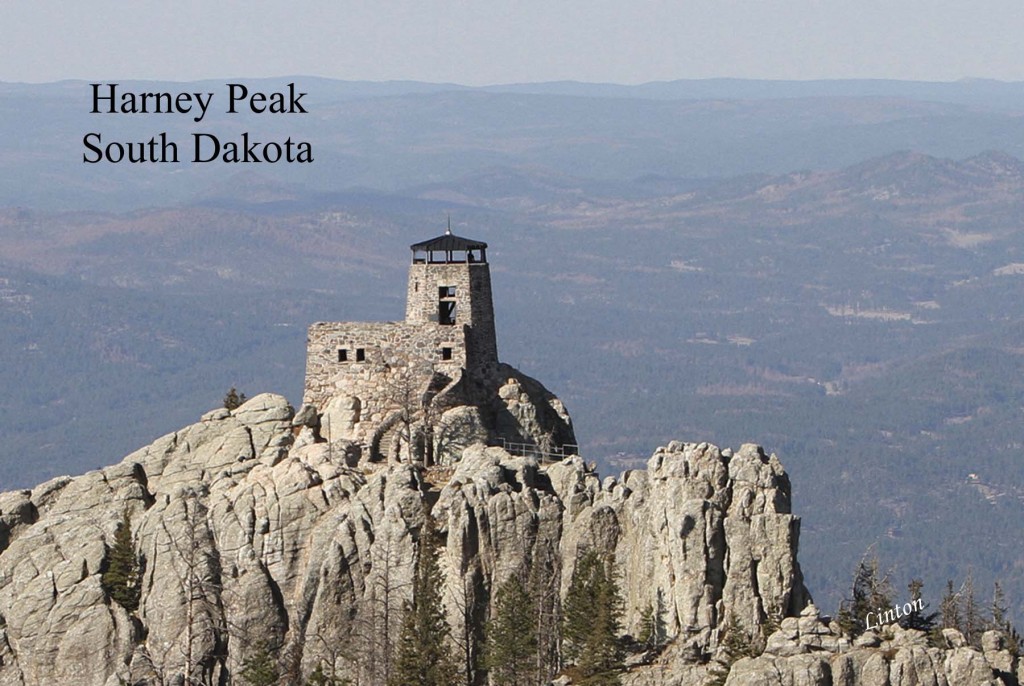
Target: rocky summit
255	538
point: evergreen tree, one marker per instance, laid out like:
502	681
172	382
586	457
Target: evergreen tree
511	637
233	400
578	606
918	619
260	668
122	579
1000	620
652	624
949	609
973	624
735	643
319	677
424	658
999	608
592	623
772	623
545	599
648	627
870	592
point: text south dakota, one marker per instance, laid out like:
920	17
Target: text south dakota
206	147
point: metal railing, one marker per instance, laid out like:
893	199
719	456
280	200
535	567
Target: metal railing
555	453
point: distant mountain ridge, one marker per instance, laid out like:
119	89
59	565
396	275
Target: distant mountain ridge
389	136
989	92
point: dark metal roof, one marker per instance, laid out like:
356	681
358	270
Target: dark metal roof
446	242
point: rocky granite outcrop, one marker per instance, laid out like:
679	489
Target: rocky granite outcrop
807	651
254	536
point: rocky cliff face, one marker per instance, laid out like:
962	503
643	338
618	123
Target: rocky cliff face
256	539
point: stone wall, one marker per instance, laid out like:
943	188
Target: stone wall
398	362
363	378
474	308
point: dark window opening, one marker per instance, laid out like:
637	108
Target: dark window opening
446	312
343	355
360	355
446	353
446	291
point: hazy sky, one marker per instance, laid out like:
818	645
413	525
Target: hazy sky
492	41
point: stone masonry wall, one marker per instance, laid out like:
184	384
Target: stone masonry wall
399	359
474	307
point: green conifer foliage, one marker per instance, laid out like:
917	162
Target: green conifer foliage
870	592
652	624
544	588
735	643
511	656
918	619
424	657
233	400
260	668
122	580
1000	621
973	623
592	623
320	677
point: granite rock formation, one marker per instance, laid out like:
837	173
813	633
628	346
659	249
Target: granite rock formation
254	536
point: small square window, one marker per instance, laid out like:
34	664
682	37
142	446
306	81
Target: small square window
446	291
342	355
360	355
446	353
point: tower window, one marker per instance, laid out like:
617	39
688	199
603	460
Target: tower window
446	305
446	353
446	312
360	355
342	355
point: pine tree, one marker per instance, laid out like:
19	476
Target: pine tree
999	608
260	668
319	677
233	400
918	619
648	627
545	599
735	644
592	623
949	609
652	624
772	623
424	658
578	606
870	592
1000	620
122	579
511	637
973	624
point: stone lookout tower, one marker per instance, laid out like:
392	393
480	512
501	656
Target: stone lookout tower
426	387
450	286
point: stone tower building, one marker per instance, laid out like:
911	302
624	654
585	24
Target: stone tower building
427	386
450	286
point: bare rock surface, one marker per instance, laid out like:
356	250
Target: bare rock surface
255	534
